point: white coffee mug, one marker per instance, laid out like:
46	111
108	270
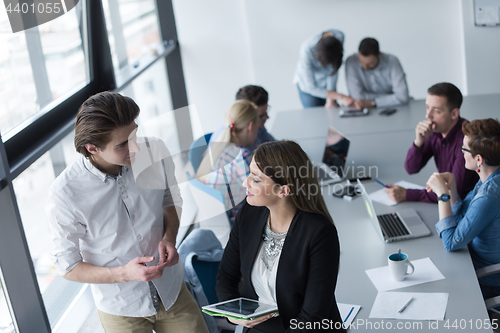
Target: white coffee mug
398	265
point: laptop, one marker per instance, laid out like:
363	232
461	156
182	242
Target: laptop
398	226
331	168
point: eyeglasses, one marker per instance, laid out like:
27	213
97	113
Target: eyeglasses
265	115
467	150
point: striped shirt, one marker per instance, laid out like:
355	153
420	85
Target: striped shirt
229	172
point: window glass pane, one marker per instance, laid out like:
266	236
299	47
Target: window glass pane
63	48
151	92
18	99
6	325
31	188
39	66
132	30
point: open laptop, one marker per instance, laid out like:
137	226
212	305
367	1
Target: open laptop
393	227
331	168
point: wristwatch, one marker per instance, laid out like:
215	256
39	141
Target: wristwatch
444	197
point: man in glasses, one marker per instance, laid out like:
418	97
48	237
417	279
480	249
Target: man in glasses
259	97
439	135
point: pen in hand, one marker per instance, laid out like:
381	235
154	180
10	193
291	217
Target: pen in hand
378	181
406	305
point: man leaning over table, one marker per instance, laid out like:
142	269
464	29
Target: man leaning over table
375	79
114	227
440	136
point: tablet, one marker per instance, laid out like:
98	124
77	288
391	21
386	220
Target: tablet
353	112
240	308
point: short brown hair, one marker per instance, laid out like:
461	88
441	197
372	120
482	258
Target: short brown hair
369	46
453	95
99	115
252	93
484	139
284	162
329	51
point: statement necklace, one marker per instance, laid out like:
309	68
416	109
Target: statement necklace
273	243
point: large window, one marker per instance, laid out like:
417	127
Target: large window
132	29
31	188
46	73
39	65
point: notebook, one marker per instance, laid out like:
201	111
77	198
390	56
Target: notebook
398	226
331	168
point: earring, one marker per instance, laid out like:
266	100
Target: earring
478	168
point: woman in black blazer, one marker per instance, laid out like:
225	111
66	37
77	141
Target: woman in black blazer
284	245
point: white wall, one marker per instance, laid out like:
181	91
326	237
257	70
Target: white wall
226	44
482	54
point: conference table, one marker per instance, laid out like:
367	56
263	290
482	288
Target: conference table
378	147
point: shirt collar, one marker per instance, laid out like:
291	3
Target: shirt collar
453	132
98	173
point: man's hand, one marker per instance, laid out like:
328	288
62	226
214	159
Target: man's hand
347	101
360	104
168	253
422	132
396	193
331	103
251	323
135	270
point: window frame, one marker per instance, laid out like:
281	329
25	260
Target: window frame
42	132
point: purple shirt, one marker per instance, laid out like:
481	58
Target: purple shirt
448	156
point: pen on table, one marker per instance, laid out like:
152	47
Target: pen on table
240	305
406	305
348	315
378	181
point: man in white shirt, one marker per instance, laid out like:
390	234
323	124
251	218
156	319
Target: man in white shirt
375	79
114	219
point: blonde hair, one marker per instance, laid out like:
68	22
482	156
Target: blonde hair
239	115
286	163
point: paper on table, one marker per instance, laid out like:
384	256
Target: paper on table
381	197
425	271
425	306
348	312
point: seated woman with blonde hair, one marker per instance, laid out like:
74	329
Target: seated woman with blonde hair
283	246
475	221
226	164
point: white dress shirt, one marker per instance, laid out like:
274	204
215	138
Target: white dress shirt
385	84
264	280
107	221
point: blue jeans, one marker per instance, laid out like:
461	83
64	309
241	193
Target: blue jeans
309	101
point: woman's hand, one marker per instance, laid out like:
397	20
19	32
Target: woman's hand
440	183
252	323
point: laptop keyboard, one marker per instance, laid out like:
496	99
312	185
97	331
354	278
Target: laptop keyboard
392	226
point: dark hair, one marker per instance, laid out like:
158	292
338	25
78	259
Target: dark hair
329	51
369	46
453	95
285	163
99	115
252	93
484	139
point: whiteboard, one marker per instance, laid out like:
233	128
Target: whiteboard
487	13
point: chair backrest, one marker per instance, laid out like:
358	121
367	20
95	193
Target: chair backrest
197	150
201	253
211	209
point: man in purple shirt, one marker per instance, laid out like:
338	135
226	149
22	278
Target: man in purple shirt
440	135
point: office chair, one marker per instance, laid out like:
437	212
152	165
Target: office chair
201	253
197	150
211	209
491	303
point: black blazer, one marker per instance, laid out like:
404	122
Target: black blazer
307	268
